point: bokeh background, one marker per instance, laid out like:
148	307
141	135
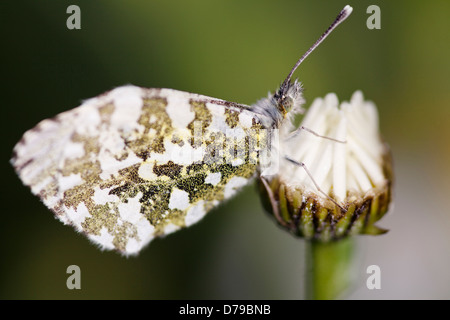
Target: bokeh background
234	50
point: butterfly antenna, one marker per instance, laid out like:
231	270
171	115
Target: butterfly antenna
341	17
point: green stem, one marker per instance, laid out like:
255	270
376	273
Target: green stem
329	268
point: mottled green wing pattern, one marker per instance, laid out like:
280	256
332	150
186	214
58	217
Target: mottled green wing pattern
134	164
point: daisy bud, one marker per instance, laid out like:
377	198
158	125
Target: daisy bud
335	177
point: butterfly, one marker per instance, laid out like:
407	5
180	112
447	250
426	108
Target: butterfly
134	163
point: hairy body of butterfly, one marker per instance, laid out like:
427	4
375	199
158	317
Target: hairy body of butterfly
134	163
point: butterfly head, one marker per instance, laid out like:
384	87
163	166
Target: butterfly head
289	97
284	104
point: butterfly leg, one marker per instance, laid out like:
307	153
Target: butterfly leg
301	164
274	203
297	132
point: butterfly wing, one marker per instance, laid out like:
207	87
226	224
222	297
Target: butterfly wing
134	164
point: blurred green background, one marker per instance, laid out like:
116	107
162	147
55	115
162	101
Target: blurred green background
238	51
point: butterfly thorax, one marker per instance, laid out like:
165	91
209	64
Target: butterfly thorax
284	104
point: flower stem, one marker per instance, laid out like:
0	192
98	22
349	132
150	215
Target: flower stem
329	267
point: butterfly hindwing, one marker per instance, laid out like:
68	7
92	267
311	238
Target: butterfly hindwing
134	164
